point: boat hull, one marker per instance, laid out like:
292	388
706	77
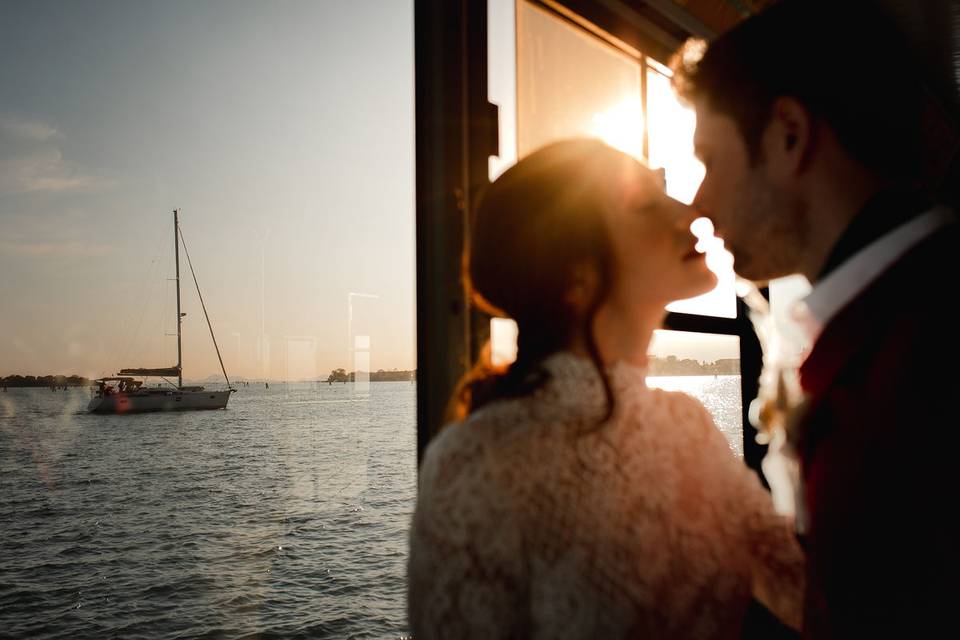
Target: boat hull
164	401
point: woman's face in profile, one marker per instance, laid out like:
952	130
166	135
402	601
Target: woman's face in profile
655	256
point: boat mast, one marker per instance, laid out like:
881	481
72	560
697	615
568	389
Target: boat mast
176	254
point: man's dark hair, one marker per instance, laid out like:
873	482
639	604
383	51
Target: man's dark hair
841	59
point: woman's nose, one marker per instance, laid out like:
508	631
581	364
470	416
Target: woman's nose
700	200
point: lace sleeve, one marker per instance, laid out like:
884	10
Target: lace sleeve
776	560
466	577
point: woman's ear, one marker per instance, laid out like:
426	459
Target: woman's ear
582	288
788	139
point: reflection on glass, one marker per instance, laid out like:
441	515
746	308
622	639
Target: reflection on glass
707	367
286	514
569	83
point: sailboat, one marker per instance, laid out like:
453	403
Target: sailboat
123	393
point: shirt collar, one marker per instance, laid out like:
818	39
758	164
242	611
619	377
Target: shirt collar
846	281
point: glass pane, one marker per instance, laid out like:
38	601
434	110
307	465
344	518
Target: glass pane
569	83
671	147
707	367
285	133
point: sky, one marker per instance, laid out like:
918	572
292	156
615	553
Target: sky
284	133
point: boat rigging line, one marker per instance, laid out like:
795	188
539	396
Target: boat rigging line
204	307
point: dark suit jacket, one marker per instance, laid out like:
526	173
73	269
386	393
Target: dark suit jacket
879	455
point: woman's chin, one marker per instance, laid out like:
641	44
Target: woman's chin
704	283
703	279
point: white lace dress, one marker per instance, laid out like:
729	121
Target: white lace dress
528	525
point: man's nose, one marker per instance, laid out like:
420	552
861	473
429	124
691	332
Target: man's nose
685	215
699	201
701	205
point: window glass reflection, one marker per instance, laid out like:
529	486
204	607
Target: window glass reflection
286	513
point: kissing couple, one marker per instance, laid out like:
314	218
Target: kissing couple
567	499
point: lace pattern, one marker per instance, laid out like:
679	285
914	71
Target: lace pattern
534	521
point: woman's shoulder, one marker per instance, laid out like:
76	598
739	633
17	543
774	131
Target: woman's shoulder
678	408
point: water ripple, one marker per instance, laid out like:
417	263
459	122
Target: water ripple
284	516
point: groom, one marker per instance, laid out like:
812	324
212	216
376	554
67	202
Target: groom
810	123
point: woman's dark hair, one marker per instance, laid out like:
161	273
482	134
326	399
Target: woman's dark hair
532	228
842	60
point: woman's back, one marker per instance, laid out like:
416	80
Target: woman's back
534	521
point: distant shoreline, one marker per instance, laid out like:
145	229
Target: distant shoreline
658	367
45	382
18	381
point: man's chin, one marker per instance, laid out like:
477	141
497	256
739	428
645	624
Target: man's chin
758	274
749	269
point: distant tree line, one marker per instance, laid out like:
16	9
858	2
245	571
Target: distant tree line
395	375
44	381
669	366
673	366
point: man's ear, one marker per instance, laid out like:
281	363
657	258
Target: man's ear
788	139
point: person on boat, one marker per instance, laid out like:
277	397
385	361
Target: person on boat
566	498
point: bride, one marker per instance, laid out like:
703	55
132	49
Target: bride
566	498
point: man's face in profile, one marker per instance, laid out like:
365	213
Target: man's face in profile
761	225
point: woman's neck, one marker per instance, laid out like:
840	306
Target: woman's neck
621	336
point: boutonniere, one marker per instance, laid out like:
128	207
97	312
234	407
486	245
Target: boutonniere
779	406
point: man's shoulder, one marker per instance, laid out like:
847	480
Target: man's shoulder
940	246
920	281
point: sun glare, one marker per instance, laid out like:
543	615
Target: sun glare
621	127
